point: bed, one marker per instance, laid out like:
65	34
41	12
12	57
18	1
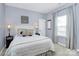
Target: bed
29	45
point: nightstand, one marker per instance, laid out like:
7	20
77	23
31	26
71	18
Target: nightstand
8	40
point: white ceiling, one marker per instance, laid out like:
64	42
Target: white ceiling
37	7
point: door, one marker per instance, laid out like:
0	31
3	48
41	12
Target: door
42	27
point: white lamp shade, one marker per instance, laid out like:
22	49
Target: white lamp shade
36	25
9	26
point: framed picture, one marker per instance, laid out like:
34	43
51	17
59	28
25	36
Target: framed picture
24	19
49	24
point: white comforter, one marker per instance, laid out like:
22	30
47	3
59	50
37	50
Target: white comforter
29	46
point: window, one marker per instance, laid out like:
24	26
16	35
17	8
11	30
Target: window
61	24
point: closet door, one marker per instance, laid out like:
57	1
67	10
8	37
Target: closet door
42	27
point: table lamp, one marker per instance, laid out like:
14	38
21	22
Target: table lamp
9	27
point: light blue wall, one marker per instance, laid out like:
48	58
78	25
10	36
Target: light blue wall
13	16
2	23
49	33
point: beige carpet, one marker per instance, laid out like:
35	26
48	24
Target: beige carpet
62	51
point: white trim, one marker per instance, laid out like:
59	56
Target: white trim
61	44
2	51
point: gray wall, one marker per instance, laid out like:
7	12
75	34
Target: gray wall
2	23
13	17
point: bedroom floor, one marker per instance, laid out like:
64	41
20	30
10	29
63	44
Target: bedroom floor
60	51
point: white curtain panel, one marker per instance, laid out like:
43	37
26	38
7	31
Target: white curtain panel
70	28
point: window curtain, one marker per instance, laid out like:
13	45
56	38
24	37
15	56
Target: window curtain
70	25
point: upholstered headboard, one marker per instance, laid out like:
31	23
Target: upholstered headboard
27	30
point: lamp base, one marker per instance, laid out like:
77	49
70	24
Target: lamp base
9	34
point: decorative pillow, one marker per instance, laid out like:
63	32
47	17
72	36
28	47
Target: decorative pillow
29	32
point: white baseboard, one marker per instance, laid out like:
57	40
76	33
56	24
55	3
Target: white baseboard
2	51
